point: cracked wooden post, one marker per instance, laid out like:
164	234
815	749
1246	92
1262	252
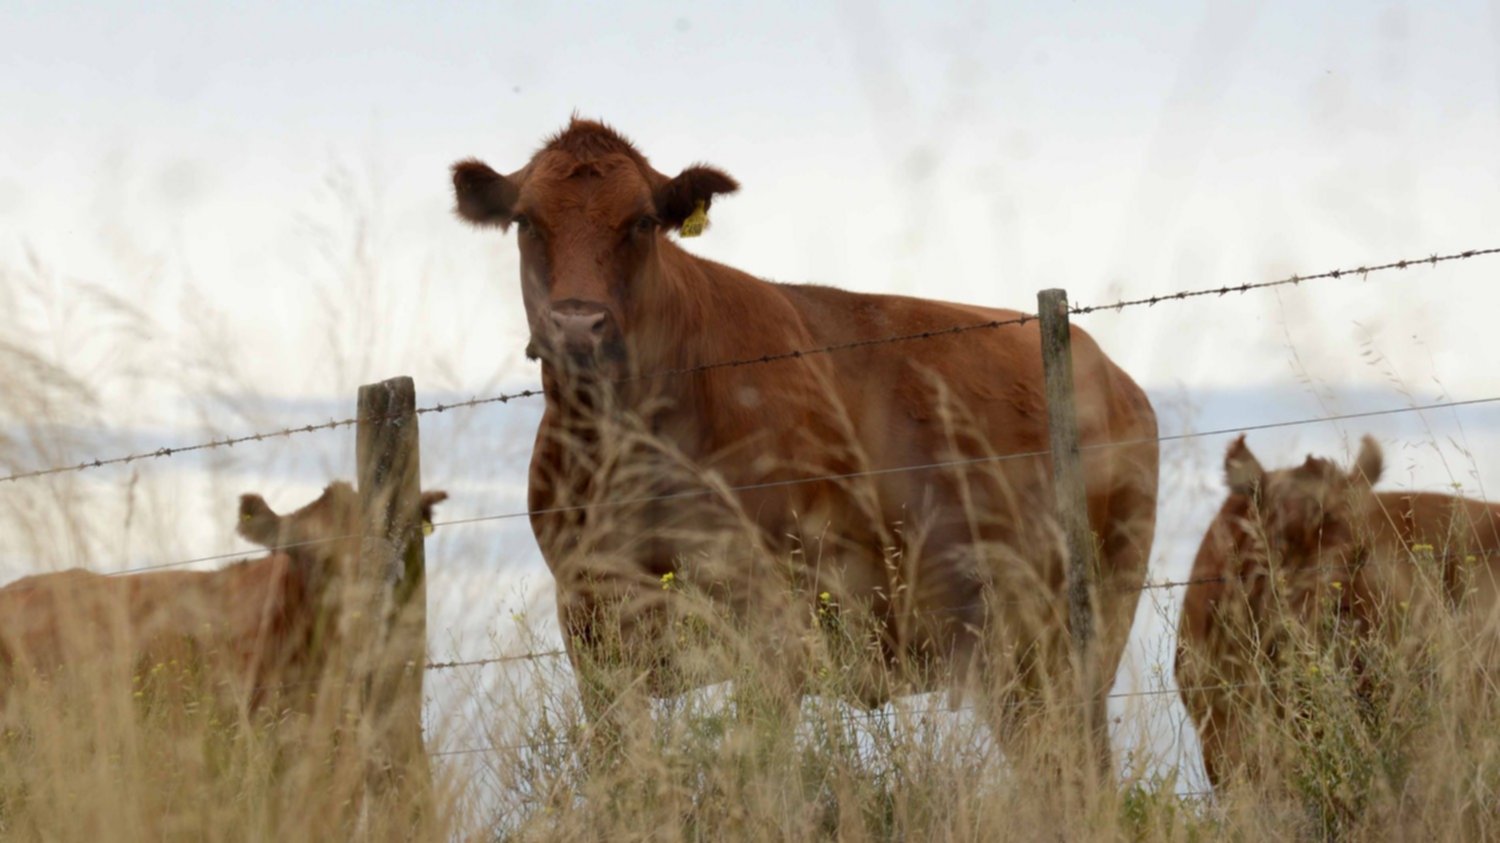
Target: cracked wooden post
1068	488
393	568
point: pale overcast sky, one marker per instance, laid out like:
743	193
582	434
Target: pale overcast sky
268	186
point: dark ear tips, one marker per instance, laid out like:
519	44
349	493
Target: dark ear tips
258	523
254	506
680	197
711	180
430	500
1370	462
484	197
1242	471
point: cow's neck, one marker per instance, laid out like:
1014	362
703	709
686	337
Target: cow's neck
668	312
672	312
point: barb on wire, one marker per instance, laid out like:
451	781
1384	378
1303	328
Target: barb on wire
503	398
544	654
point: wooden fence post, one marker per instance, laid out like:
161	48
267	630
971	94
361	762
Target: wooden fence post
389	472
1067	478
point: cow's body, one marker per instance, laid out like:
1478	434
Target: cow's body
1309	541
246	624
925	548
247	628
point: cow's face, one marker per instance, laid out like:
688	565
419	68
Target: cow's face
1312	517
320	531
590	214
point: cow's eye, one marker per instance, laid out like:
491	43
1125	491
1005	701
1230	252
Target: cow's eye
645	225
523	224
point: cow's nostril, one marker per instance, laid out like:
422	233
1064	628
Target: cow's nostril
579	330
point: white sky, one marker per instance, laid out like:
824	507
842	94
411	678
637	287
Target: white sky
269	188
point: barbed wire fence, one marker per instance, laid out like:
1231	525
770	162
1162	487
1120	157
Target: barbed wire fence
1362	272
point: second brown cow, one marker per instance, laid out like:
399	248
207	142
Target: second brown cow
1299	551
247	629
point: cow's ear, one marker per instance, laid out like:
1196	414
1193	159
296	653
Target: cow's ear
1369	463
690	194
484	196
430	500
258	522
1242	471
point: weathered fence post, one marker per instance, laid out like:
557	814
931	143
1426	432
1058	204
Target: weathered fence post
392	560
1067	483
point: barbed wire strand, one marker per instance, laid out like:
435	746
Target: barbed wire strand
515	657
1362	271
968	461
504	398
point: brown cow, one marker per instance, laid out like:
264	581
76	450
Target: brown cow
250	624
616	308
1308	546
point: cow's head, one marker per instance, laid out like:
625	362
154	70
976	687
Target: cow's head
590	216
317	532
1313	517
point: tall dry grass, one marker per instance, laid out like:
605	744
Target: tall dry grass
1352	728
749	750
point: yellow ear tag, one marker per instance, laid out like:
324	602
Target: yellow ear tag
696	221
426	528
245	517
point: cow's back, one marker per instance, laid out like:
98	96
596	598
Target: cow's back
232	621
1461	536
951	433
994	374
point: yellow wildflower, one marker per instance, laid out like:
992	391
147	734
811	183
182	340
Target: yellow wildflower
667	580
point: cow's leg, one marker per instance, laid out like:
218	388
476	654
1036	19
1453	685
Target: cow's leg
1035	722
1048	722
611	677
1124	527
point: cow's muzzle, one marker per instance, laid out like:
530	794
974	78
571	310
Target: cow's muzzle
579	329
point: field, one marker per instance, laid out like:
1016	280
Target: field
217	224
513	757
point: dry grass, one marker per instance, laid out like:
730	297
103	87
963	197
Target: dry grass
1366	733
759	752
